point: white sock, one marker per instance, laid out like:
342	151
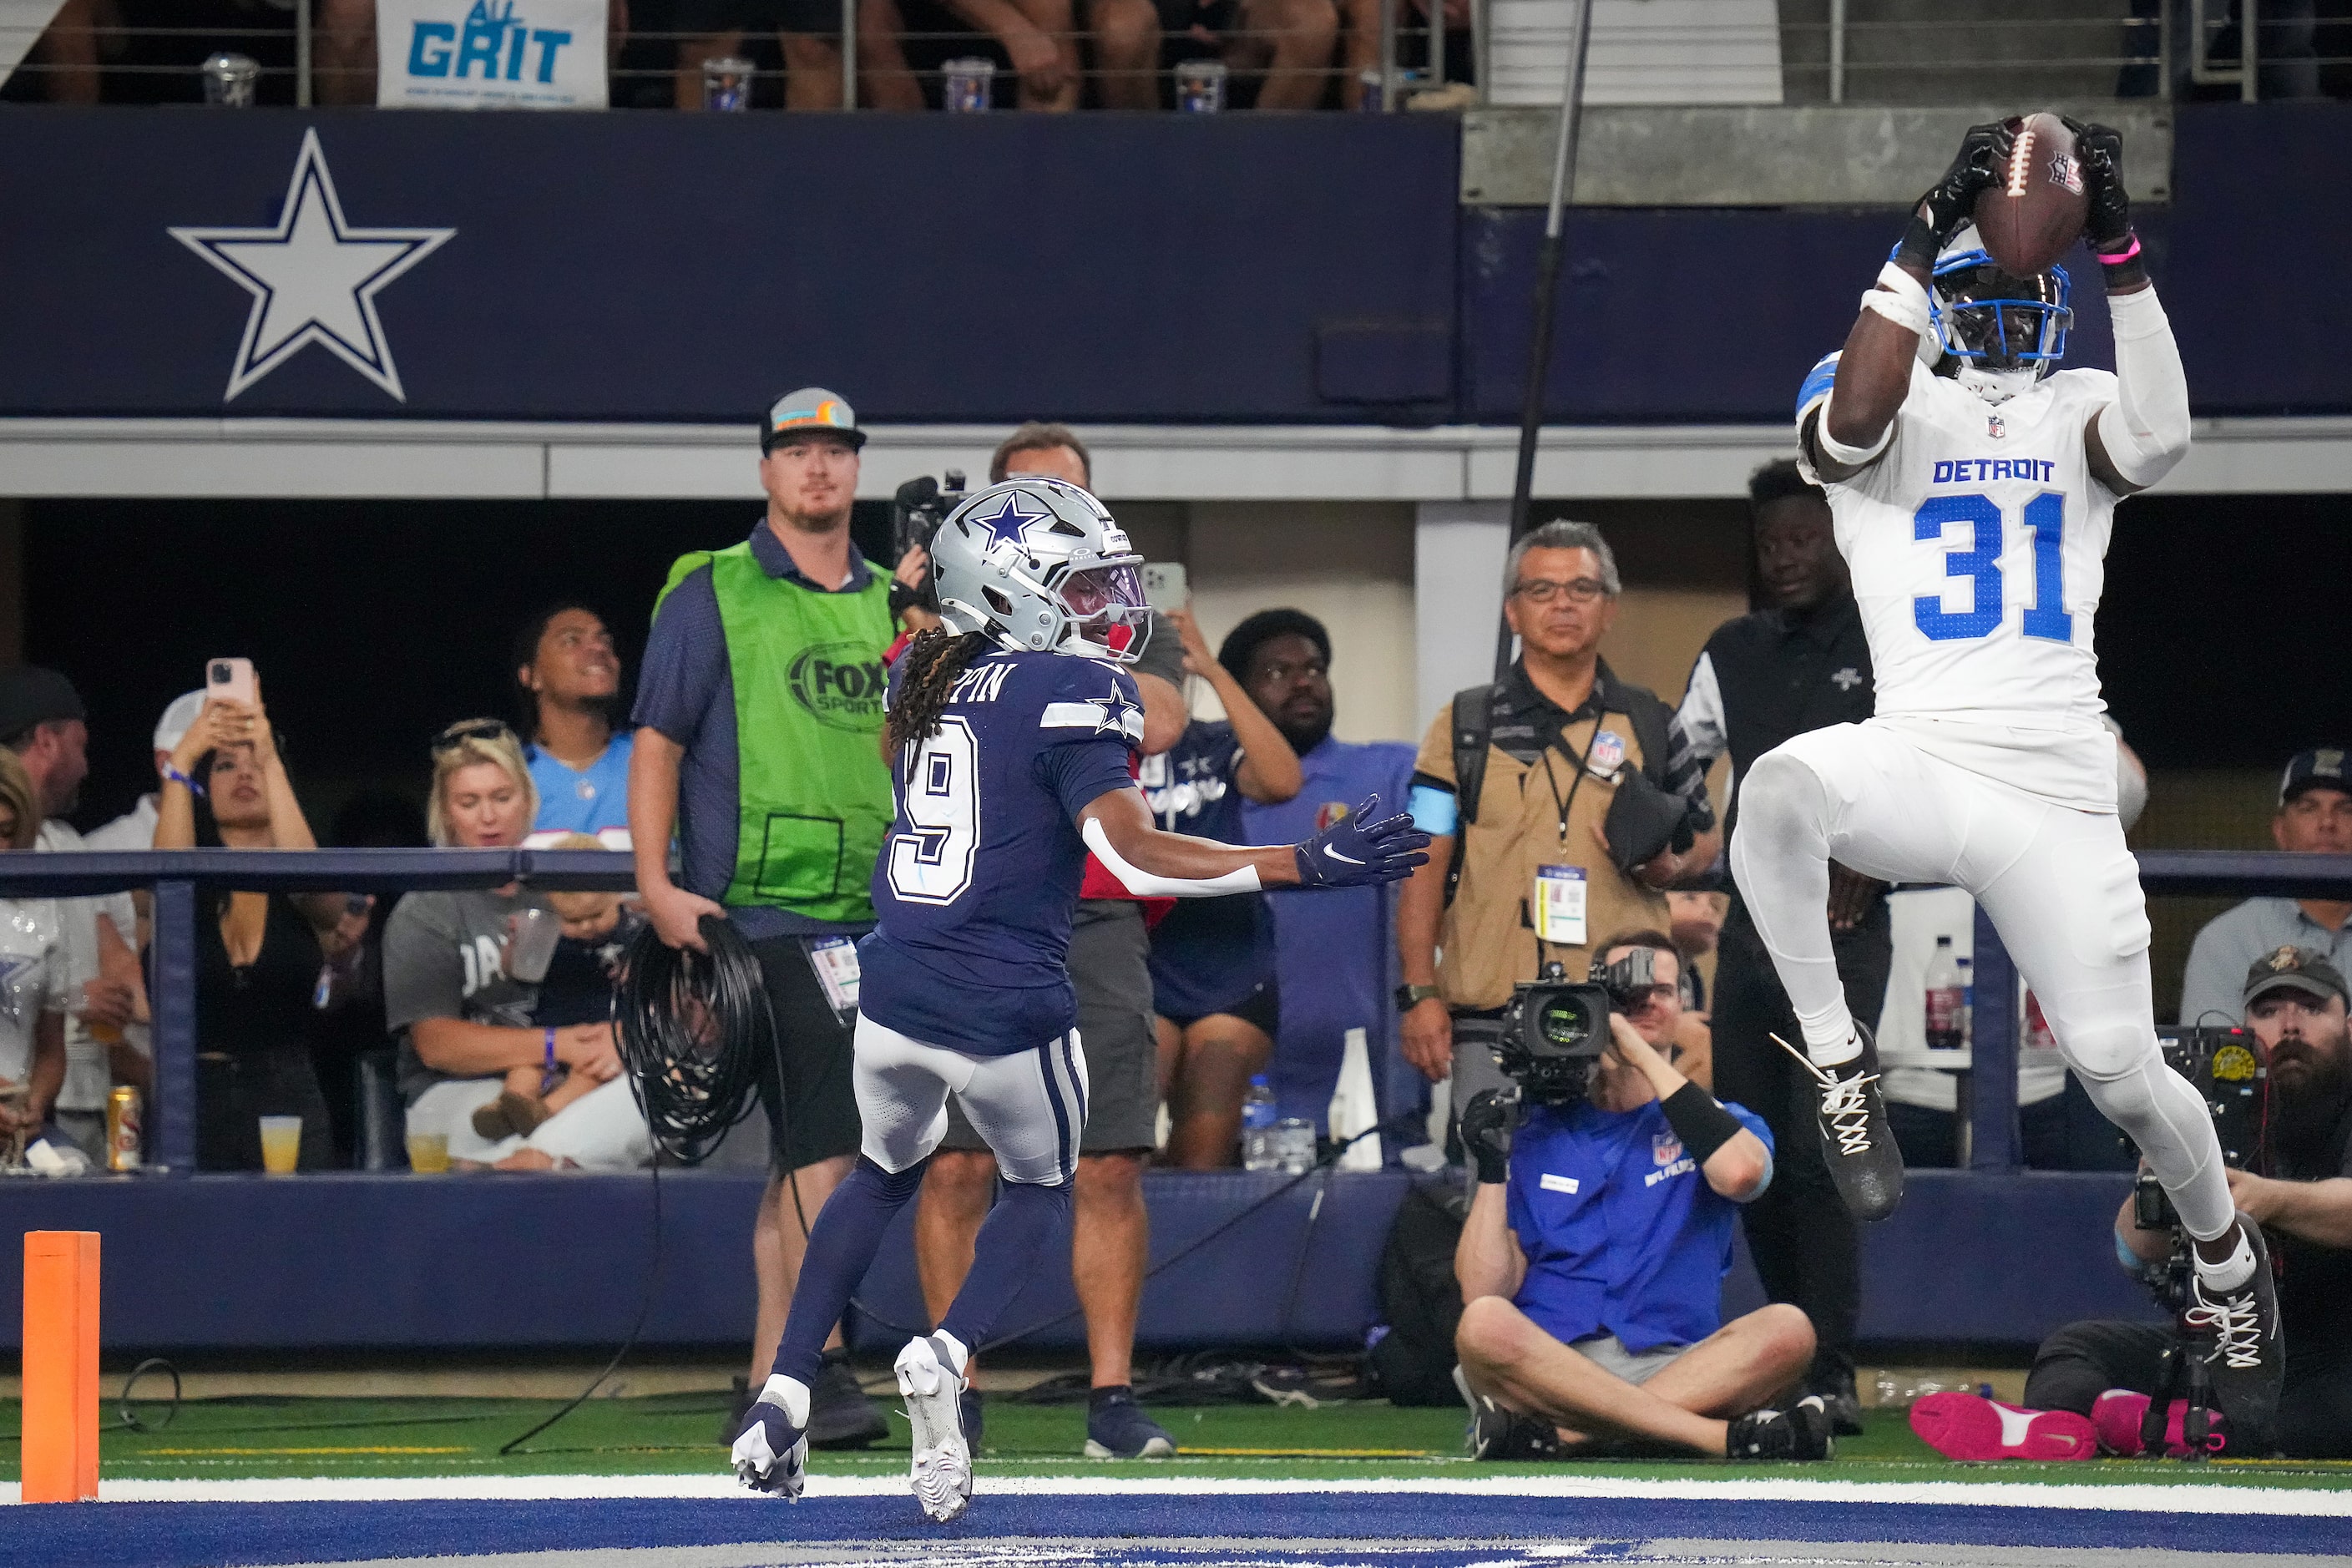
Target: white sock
789	1394
1830	1037
2233	1272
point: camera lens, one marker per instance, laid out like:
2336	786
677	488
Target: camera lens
1565	1025
220	674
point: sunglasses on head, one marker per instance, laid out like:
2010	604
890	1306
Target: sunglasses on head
456	735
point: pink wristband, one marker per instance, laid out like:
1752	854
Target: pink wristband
2116	259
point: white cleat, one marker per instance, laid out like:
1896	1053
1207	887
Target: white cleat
932	1387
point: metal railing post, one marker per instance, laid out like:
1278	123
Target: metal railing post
848	56
1992	1055
2248	52
302	95
1388	56
1837	51
172	991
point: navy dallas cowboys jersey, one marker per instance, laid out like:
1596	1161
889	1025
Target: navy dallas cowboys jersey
975	885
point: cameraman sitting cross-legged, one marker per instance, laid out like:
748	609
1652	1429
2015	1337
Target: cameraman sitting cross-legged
1594	1258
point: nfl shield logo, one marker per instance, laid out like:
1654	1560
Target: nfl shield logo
1608	752
1665	1148
1993	426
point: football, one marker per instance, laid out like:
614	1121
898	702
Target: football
2029	219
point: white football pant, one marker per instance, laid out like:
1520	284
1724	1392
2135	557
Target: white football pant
1030	1107
2058	884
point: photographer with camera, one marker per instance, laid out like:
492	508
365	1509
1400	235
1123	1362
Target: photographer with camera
2111	1371
1592	1260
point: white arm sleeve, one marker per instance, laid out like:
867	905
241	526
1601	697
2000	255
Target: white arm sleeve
1701	714
1144	884
2146	430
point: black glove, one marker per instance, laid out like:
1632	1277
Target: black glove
1952	200
1644	821
1356	851
1486	1125
2099	155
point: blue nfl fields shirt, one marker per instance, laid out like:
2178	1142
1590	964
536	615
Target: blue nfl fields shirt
1335	952
1622	1233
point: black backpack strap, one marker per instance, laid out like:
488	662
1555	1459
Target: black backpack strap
1474	727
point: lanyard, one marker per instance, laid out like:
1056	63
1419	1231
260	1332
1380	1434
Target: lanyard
1562	741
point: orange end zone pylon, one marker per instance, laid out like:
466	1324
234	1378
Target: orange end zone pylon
61	1397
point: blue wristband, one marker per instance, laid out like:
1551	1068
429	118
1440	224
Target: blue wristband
175	776
549	1065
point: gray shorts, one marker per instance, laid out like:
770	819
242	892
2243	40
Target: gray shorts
1109	954
1609	1355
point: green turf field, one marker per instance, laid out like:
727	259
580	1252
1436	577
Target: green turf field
271	1437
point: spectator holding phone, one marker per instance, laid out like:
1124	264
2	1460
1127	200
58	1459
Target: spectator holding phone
257	954
464	1018
569	678
1212	976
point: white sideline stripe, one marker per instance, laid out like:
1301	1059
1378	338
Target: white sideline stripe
2198	1498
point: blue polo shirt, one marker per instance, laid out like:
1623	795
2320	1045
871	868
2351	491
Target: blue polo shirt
1622	1233
583	800
1335	952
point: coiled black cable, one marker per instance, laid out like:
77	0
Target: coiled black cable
694	1031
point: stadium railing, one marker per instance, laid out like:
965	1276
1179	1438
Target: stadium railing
174	876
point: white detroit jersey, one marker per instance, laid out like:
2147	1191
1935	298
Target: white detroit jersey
1978	546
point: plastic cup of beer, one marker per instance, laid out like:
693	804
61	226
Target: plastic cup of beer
429	1153
281	1144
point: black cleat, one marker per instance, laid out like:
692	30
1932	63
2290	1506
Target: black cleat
1856	1142
2248	1353
840	1415
1800	1432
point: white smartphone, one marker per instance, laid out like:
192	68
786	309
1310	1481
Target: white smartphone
230	679
1164	585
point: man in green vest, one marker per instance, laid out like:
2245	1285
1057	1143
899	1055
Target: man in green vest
759	718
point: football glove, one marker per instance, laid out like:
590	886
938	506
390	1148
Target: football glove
771	1452
1488	1122
1952	200
2099	153
1357	852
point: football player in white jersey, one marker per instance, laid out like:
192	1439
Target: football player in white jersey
1973	484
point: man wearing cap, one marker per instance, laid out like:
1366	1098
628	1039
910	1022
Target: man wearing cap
759	741
42	720
135	828
2293	1001
2313	817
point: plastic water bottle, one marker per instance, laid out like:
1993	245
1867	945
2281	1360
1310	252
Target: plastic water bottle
1946	1000
1258	1151
1294	1145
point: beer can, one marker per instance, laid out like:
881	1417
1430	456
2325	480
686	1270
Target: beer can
1200	87
968	85
123	1129
727	84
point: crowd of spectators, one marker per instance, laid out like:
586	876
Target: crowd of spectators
1049	55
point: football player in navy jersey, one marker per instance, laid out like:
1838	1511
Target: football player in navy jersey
1010	729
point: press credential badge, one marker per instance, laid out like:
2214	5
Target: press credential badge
835	959
1559	905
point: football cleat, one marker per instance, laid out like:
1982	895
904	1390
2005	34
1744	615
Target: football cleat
1800	1432
933	1389
1970	1426
1857	1144
2249	1354
771	1455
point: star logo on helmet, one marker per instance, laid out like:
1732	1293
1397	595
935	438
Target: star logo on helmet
1010	521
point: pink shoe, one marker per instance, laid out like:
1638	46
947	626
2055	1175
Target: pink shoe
2119	1411
1970	1426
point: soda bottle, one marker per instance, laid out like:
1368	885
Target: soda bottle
1946	1000
1258	1151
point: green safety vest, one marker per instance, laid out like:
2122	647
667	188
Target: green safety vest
813	791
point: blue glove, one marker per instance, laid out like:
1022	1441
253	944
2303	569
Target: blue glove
1357	852
771	1455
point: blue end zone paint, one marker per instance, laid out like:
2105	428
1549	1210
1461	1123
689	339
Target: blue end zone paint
201	1535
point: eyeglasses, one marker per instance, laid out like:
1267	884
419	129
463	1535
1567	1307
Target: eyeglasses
1544	590
457	734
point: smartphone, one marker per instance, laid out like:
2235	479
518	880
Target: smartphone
1164	587
230	679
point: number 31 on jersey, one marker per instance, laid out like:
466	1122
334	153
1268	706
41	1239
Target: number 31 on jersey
2044	516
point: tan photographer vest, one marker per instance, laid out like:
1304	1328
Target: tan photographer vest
1487	939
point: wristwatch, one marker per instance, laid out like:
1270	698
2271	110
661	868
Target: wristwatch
1408	998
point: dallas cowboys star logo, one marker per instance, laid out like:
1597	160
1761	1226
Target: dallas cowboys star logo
313	278
1011	519
1846	679
1119	718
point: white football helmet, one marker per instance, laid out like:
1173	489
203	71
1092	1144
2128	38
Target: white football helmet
1038	565
2006	332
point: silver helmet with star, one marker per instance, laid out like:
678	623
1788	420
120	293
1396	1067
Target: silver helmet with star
1039	565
